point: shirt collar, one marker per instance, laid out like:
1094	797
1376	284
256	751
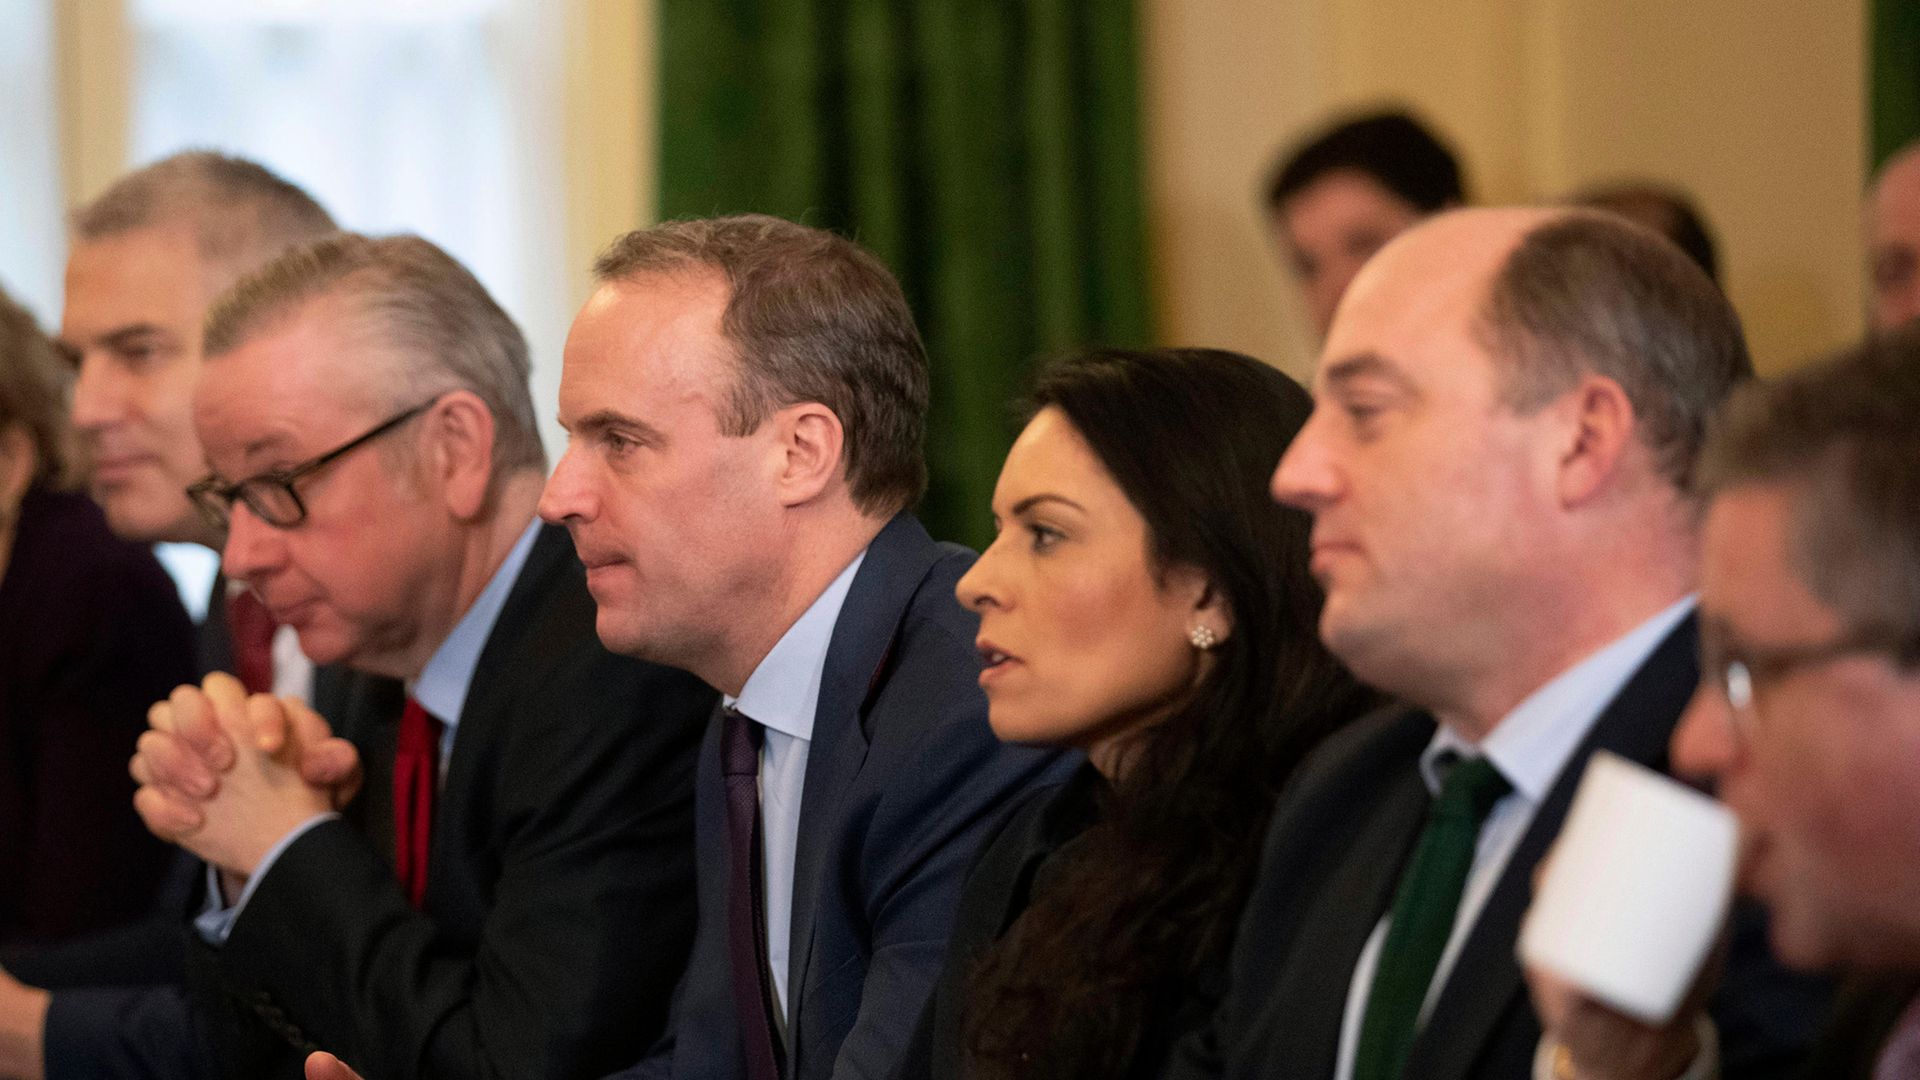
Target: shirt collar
784	690
442	686
1531	744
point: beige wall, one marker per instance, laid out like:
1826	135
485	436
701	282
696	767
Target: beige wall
1757	106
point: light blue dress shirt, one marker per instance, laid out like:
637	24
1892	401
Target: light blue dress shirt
1530	746
441	689
782	696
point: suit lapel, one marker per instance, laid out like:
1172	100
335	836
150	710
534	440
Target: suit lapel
1320	938
897	560
1486	980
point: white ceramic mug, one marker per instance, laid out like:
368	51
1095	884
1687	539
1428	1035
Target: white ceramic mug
1636	890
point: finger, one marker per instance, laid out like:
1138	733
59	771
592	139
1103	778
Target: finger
160	715
324	1066
267	719
166	763
194	722
307	725
166	818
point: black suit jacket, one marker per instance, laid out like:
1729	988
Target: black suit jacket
559	900
1341	835
1015	863
1866	1010
904	777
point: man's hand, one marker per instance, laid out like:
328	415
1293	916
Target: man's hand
23	1019
180	760
1599	1043
257	799
324	1066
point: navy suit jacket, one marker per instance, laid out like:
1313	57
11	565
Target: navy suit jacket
904	778
1340	836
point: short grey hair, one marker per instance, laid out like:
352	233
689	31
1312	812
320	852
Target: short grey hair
241	212
1592	293
812	317
1844	435
448	332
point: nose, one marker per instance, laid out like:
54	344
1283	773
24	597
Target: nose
567	497
98	398
253	548
1306	477
978	588
1704	746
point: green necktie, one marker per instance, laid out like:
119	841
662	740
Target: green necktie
1423	916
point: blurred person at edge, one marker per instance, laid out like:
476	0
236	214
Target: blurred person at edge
145	260
1807	718
1337	198
1145	601
91	632
1893	241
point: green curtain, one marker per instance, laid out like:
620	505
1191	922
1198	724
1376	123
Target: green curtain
1894	74
988	151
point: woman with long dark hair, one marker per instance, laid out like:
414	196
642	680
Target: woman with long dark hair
1148	603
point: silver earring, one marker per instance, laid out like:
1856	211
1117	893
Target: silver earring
1202	638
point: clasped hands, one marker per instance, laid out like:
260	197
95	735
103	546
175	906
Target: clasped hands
226	775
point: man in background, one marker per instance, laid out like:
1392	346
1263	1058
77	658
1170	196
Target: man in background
1336	199
1893	240
1506	418
145	260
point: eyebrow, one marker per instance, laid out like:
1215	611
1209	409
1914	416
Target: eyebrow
603	419
1366	365
1030	501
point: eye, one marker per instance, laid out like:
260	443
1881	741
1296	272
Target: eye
618	445
1043	537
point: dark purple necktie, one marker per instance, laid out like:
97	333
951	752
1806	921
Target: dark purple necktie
746	897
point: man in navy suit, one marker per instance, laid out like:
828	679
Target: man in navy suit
746	401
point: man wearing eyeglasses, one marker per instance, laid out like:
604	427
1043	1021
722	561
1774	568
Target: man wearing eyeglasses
498	878
1808	714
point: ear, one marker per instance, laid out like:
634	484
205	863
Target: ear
1598	426
1202	603
811	442
18	463
459	452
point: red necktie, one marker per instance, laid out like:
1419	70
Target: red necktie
251	627
416	774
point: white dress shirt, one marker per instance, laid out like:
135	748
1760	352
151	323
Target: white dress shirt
441	689
782	696
1530	746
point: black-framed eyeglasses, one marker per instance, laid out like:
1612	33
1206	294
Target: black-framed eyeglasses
271	496
1737	672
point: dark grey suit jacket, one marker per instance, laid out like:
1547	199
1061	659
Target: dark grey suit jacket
1341	834
559	898
904	778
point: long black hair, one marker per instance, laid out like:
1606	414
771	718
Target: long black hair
1142	905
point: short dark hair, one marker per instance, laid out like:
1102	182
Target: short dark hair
1588	292
1663	208
242	213
1844	434
1148	898
446	329
1390	147
33	390
812	317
